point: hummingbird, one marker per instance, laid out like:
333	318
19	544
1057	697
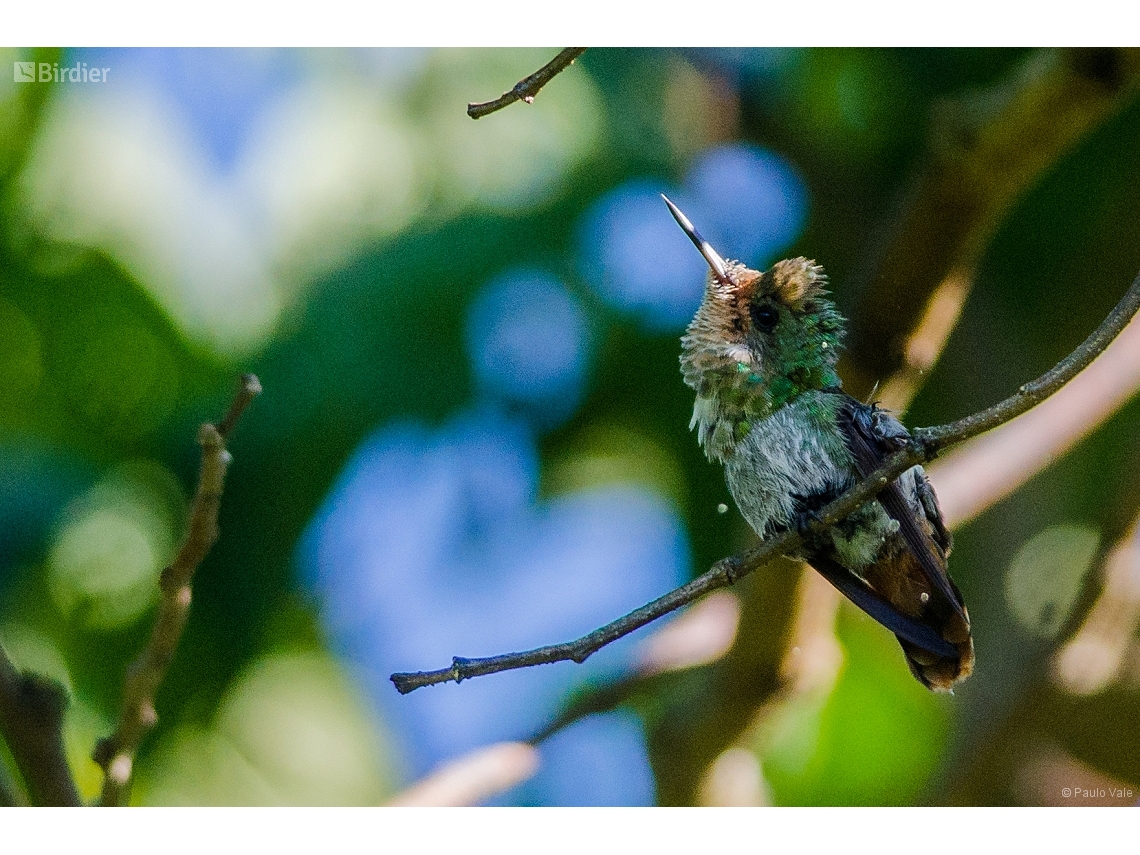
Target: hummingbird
760	353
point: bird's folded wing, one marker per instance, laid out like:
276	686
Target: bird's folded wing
872	436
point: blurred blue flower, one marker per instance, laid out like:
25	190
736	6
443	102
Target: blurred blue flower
433	544
748	202
221	92
527	338
637	259
753	203
596	762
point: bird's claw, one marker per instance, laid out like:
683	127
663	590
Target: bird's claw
805	524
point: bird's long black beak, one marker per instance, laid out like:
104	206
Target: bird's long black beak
719	268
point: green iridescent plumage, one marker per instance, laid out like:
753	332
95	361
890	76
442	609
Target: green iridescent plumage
761	355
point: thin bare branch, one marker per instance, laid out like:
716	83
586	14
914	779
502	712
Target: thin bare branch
924	445
249	389
528	87
987	469
31	721
116	753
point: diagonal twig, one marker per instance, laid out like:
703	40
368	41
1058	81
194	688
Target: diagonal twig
528	87
31	721
923	446
985	470
116	753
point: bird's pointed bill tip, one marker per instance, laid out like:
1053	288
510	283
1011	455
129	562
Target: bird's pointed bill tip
719	268
678	214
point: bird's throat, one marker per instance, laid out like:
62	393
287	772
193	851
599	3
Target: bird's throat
724	413
729	404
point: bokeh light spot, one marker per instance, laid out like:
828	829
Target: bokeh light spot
607	454
105	559
126	380
1046	576
875	739
299	720
31	650
528	342
111	544
330	168
220	91
292	730
637	259
753	202
747	202
116	168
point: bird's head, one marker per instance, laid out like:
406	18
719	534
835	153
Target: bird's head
770	334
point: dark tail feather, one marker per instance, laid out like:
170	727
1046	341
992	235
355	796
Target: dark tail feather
939	673
951	622
938	647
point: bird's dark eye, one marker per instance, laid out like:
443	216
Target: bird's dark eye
765	317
